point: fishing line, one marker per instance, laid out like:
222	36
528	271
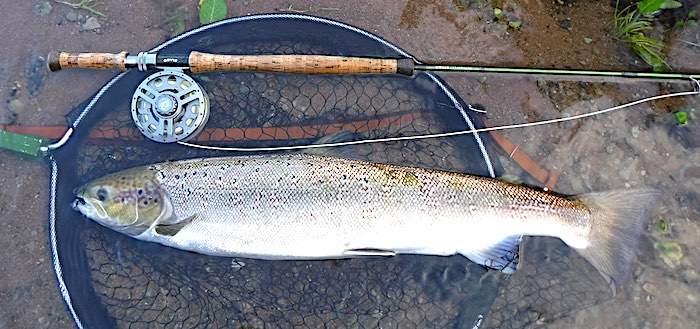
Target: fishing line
447	134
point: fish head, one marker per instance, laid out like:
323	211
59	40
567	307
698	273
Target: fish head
129	201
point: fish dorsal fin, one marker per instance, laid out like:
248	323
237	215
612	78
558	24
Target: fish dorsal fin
334	151
172	229
502	256
368	252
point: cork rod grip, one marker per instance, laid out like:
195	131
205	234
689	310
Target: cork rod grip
64	60
304	64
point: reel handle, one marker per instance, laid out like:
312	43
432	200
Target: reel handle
62	60
303	64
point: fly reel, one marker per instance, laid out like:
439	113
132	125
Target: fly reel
169	106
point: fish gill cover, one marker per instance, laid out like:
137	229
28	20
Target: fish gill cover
111	280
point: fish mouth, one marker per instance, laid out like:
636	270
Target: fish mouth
80	205
83	206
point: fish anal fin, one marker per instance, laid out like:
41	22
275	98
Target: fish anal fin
172	229
502	256
368	252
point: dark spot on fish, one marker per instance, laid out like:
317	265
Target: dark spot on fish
123	178
140	192
257	169
177	176
344	176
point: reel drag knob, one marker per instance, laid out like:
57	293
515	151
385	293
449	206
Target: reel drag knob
169	106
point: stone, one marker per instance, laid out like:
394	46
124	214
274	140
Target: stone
626	173
16	105
650	288
73	16
91	24
41	8
635	131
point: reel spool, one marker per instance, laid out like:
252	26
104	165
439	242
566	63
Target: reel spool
169	106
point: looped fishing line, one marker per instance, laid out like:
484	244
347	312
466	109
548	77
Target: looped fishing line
696	91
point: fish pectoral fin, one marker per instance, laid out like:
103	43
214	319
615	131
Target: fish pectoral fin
368	252
502	256
172	229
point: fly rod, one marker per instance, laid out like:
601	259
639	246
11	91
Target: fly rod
198	62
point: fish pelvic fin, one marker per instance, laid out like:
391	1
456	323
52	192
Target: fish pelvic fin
618	220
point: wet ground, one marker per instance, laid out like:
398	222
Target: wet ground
641	146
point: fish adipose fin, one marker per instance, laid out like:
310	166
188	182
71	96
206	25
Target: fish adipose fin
502	256
618	220
368	252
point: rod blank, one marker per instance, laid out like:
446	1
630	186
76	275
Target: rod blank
198	62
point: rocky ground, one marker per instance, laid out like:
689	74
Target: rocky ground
640	146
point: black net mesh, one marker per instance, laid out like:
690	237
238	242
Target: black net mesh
116	281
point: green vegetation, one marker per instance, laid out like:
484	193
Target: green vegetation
663	226
691	20
211	11
174	19
631	23
503	15
670	252
680	118
84	4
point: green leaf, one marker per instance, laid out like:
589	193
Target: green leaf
680	118
647	7
692	13
211	11
515	24
663	225
671	4
498	13
691	22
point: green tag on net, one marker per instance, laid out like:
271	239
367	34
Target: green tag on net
24	144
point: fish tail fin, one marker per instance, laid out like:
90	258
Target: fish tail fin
618	220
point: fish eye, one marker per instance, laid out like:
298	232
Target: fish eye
102	194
